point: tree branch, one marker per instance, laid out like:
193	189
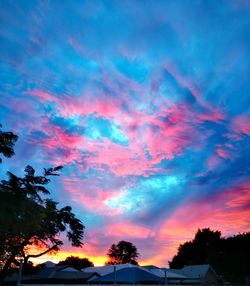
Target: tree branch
54	247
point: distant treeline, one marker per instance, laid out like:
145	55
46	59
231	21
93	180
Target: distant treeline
229	256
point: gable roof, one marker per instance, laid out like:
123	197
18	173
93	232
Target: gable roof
130	275
54	273
49	264
149	267
198	271
169	273
104	270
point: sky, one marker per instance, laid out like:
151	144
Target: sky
145	104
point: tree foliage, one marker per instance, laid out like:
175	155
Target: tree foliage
199	250
7	142
228	256
28	218
76	262
122	253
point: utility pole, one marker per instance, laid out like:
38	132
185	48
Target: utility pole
166	276
20	272
114	275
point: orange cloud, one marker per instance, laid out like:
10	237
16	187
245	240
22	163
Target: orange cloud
62	255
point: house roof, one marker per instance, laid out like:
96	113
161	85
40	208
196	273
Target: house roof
49	264
59	272
197	271
149	267
130	275
104	270
170	274
54	273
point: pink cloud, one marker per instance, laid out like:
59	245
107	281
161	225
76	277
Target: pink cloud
68	106
213	162
89	105
170	142
211	113
241	125
89	195
128	230
122	160
222	152
162	139
146	132
42	96
56	137
228	212
22	111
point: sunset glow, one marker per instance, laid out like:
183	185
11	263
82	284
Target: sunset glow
146	104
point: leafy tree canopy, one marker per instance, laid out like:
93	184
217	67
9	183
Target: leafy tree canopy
122	253
7	142
76	262
28	218
228	256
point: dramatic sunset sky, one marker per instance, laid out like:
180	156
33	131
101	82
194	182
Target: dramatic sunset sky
147	106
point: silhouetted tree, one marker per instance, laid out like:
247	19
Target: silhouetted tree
28	218
228	256
7	141
122	253
234	261
198	251
76	262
